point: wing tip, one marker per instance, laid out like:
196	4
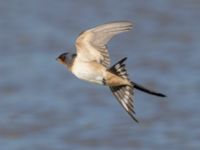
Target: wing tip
134	118
124	23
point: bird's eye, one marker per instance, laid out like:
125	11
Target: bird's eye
62	57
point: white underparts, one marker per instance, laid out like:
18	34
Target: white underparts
88	72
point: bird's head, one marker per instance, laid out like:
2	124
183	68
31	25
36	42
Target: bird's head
66	59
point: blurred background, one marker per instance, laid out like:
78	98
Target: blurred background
44	107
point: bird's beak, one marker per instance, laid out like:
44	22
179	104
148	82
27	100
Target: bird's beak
58	59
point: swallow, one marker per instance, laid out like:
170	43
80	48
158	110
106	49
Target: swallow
91	63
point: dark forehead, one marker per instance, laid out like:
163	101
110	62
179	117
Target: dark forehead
74	55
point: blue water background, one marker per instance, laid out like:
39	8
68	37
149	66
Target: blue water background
44	107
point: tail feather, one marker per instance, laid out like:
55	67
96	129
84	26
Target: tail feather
124	93
120	69
141	88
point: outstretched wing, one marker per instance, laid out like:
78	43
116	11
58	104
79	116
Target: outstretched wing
123	93
91	45
124	96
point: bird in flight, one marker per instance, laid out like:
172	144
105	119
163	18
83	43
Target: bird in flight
91	62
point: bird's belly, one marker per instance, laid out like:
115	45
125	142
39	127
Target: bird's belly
88	72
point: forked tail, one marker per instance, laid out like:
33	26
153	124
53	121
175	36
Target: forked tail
141	88
124	93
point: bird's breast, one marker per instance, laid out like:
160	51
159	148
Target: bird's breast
89	71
